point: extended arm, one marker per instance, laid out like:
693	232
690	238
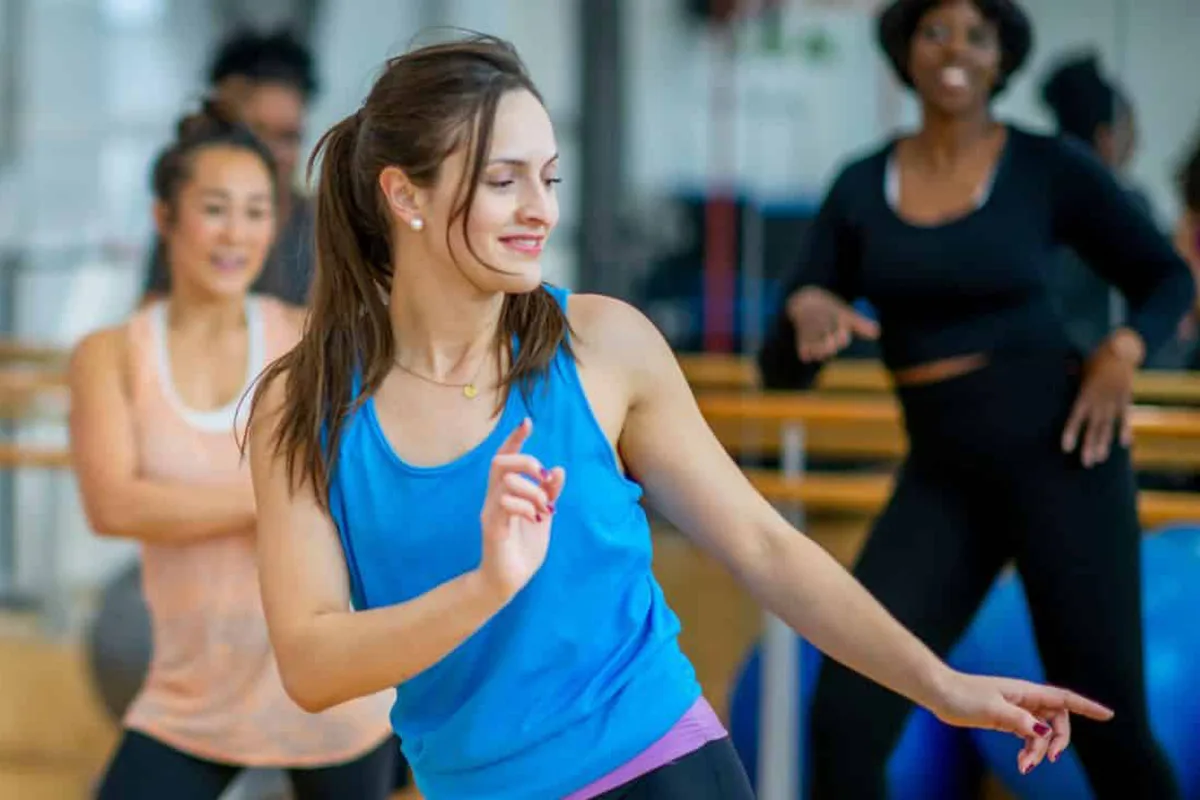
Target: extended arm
687	475
117	498
327	653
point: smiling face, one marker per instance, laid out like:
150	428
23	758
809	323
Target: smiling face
220	225
498	245
954	58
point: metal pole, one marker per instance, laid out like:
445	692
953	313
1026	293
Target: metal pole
779	737
11	56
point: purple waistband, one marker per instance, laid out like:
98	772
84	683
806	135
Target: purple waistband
696	728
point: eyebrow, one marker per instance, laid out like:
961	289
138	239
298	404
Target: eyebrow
222	194
520	162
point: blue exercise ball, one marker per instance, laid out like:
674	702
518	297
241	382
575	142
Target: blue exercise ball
931	761
1000	641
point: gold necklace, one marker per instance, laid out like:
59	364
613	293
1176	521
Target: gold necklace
469	389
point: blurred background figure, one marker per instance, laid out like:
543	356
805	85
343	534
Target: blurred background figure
268	80
1089	108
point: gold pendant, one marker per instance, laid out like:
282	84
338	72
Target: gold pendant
469	391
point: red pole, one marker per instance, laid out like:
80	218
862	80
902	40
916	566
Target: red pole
720	213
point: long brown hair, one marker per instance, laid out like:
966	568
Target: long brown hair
426	104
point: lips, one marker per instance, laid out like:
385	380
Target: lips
525	245
228	263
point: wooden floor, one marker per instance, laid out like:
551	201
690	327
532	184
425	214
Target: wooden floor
55	736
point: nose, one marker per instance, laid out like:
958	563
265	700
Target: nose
236	228
957	44
539	205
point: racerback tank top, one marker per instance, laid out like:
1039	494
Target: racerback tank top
582	670
213	689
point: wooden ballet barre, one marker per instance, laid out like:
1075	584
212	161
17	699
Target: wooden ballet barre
819	407
15	350
708	372
854	427
13	456
866	493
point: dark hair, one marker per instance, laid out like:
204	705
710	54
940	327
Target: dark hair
275	57
425	105
1189	179
211	126
898	23
1080	98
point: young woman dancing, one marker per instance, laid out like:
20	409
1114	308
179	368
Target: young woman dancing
459	451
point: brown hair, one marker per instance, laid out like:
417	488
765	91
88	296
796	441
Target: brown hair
426	104
211	126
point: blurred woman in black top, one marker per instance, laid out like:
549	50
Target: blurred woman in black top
1018	442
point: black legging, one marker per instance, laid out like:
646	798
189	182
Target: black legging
713	772
985	482
144	768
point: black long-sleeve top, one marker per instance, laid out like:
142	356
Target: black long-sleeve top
982	283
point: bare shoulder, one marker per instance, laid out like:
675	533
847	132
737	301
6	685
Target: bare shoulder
617	334
98	352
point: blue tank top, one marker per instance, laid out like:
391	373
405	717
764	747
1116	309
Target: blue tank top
582	670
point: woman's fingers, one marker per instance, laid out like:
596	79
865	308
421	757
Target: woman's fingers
1032	753
1075	422
1102	431
507	463
518	485
1060	738
520	507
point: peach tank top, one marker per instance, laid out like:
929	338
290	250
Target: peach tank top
213	689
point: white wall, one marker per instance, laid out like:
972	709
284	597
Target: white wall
102	83
796	118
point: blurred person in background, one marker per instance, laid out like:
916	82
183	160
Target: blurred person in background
1090	109
153	426
1187	237
268	81
1018	439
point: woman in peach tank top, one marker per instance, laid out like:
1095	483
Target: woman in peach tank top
154	426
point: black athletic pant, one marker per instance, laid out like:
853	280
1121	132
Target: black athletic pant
985	482
713	772
146	769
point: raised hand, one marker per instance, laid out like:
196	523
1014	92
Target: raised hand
517	515
1040	715
825	324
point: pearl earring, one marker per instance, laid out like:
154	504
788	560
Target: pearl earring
417	223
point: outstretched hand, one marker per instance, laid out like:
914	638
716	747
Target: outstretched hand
517	514
825	324
1040	715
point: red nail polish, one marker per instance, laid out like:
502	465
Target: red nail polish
539	518
1040	729
545	474
550	507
